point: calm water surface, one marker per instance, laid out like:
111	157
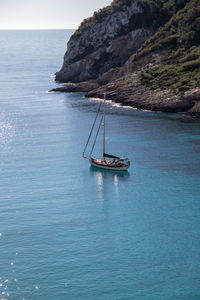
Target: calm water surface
70	232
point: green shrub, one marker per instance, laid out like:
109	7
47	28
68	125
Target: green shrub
100	14
180	38
147	76
191	65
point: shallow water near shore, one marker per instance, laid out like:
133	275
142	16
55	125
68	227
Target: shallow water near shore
69	231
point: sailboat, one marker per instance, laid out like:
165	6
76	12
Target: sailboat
107	161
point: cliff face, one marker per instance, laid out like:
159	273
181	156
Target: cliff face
111	36
106	44
142	53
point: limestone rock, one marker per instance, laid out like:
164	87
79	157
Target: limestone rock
77	87
106	44
129	91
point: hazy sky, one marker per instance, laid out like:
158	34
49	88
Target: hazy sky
30	14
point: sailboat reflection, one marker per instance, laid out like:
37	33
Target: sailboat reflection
104	180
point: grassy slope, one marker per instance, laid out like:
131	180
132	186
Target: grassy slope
180	37
180	68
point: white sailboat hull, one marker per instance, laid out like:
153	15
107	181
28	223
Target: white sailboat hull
108	166
108	162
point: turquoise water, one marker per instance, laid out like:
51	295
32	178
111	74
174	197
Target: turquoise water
71	232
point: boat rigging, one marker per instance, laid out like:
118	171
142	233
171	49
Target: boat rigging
108	161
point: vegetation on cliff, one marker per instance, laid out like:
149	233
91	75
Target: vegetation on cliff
180	38
176	24
156	13
100	14
164	74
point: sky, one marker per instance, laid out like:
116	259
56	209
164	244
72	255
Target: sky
47	14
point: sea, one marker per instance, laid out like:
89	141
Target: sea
72	232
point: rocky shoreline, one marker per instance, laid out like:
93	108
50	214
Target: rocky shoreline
130	92
124	51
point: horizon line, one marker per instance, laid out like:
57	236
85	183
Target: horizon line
38	28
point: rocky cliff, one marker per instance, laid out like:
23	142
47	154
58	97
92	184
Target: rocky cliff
110	37
108	43
142	53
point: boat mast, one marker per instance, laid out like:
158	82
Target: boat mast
91	131
104	125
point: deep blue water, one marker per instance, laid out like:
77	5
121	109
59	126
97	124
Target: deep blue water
70	232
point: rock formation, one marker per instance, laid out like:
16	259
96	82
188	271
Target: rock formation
106	44
122	48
